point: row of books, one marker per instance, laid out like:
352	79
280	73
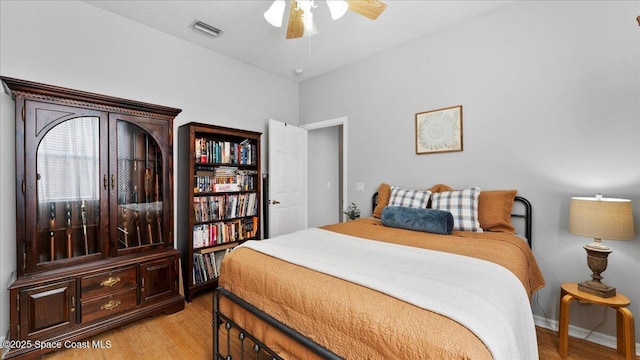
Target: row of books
207	266
228	152
212	181
224	207
218	233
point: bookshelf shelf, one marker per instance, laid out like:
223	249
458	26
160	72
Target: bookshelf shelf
219	195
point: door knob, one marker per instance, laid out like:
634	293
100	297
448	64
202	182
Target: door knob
274	202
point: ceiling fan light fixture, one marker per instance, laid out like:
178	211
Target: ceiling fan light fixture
206	28
301	22
337	8
307	15
275	13
310	29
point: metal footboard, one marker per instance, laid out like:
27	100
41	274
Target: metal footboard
249	345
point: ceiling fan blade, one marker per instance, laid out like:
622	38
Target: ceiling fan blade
369	8
295	29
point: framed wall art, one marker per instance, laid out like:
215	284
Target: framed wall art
439	130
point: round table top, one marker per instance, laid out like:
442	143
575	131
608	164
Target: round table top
618	300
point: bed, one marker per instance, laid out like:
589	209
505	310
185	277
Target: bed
365	290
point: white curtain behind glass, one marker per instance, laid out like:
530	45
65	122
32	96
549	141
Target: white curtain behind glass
68	163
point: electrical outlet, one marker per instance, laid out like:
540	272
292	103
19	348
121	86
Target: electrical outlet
360	187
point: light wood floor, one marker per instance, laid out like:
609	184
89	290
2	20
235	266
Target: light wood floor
188	335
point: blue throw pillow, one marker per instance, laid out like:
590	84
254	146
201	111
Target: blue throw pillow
427	220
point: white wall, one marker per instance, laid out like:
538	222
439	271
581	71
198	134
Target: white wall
551	105
76	45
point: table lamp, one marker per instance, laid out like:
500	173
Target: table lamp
600	218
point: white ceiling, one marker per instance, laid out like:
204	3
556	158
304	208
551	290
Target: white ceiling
249	38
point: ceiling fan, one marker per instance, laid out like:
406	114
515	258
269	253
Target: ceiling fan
301	19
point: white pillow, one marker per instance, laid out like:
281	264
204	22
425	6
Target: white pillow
463	205
409	198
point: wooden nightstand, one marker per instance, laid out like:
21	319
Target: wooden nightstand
624	319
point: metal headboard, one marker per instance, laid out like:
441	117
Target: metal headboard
526	214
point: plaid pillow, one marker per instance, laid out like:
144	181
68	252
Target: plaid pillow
463	205
409	198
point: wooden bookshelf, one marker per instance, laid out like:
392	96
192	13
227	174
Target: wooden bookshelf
219	198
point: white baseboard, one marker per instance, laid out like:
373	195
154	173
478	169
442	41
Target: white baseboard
578	332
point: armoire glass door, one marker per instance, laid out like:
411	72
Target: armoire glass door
140	174
68	190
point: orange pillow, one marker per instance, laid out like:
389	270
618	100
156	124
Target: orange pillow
440	188
384	193
494	210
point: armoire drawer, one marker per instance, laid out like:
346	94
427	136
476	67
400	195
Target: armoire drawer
108	305
108	282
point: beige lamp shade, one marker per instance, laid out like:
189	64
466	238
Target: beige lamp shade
601	218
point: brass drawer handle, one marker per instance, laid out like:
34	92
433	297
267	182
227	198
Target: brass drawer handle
110	281
112	304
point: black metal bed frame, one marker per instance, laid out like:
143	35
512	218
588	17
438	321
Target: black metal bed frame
255	349
527	216
255	345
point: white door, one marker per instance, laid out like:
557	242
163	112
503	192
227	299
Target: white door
287	196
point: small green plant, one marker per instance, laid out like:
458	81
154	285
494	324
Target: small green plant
352	212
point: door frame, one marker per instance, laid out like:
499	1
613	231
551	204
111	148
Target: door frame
341	121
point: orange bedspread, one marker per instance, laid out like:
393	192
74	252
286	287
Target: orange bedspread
503	249
356	322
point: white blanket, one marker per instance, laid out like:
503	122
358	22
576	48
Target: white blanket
484	297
